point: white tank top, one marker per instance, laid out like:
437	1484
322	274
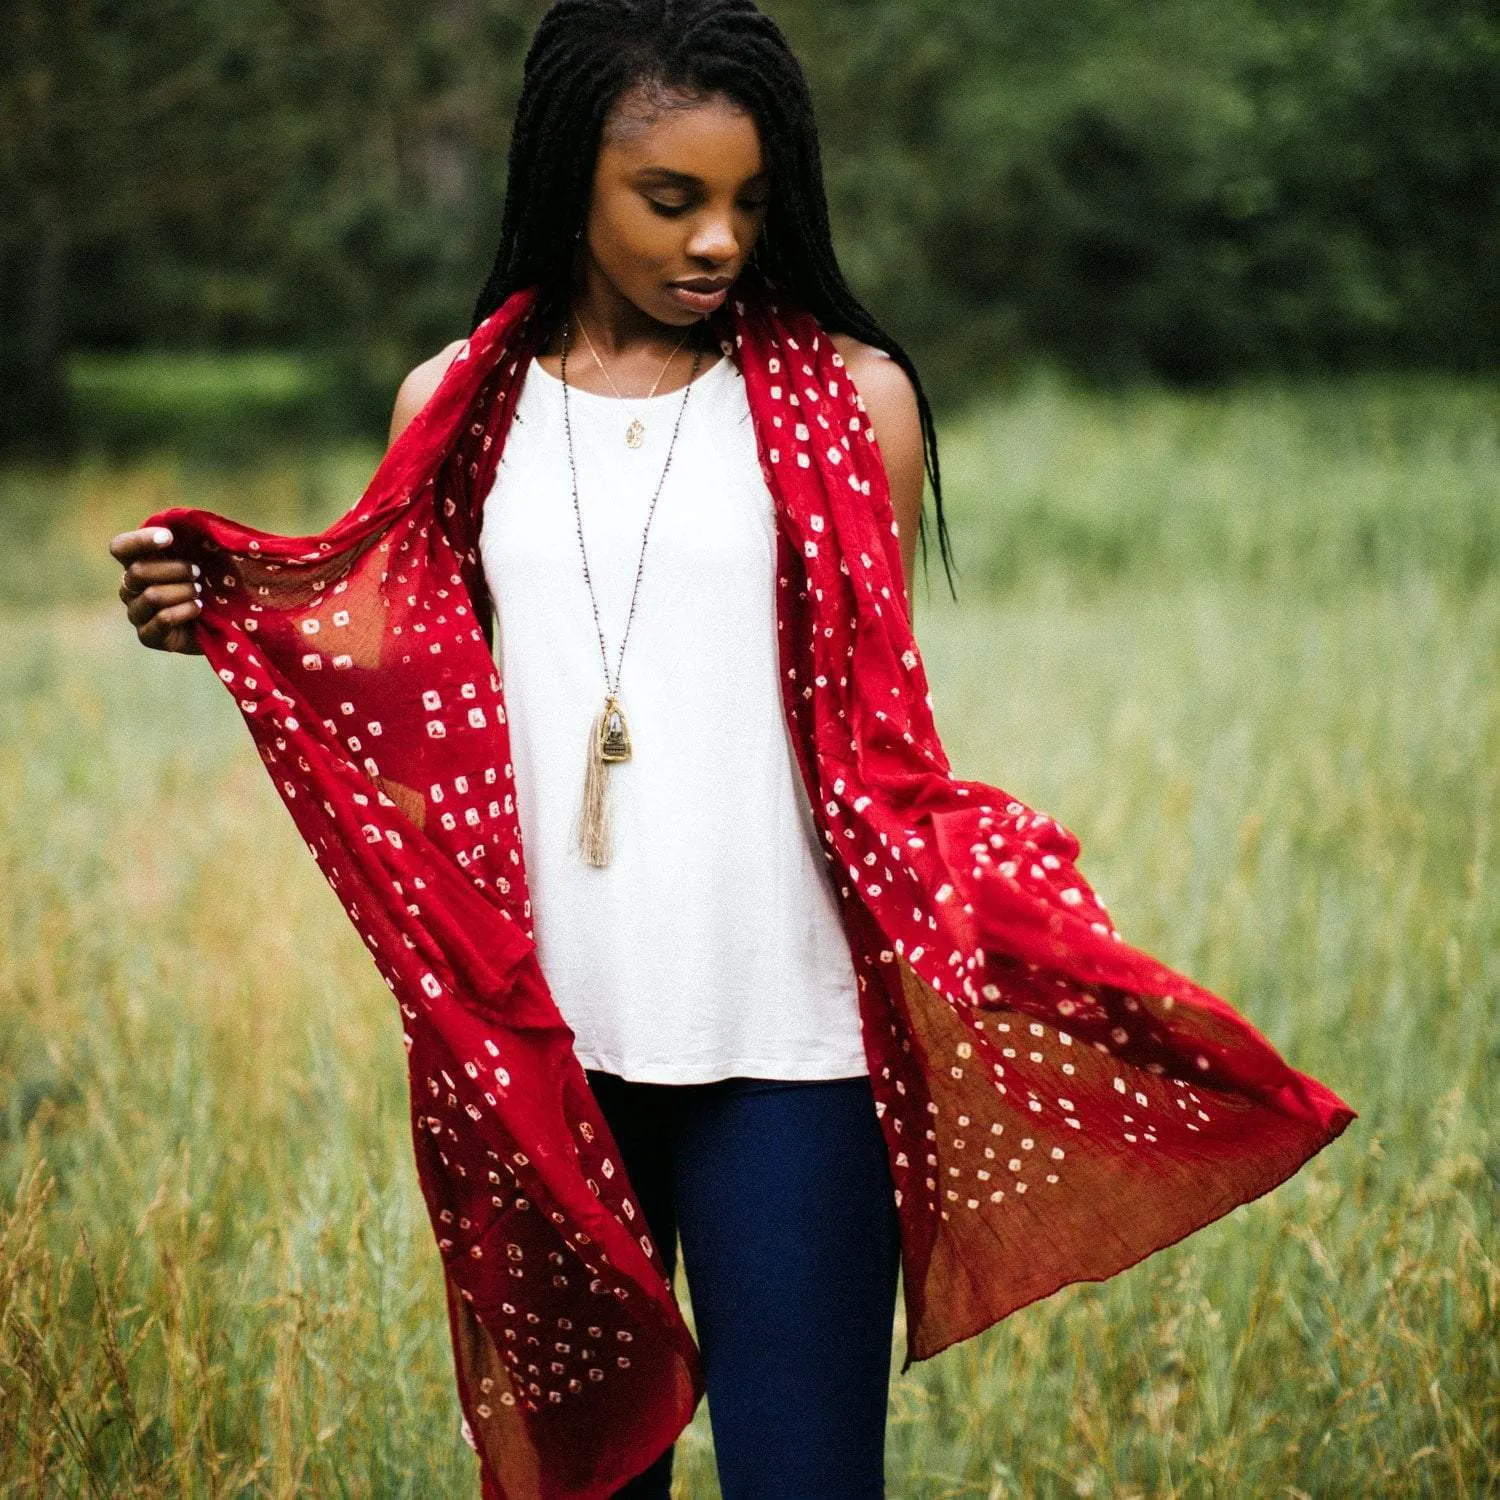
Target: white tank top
710	946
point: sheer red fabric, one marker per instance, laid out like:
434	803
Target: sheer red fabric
1056	1104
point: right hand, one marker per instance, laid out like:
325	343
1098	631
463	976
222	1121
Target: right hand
160	593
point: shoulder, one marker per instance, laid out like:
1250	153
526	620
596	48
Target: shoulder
871	367
417	388
890	397
891	403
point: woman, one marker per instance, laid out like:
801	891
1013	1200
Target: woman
756	1044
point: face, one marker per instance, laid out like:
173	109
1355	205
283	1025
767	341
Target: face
679	198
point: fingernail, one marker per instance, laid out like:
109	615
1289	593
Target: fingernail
161	535
197	571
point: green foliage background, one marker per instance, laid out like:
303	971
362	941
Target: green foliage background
1181	190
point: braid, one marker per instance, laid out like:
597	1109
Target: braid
583	56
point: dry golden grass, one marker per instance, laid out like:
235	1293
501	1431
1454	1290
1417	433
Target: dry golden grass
216	1276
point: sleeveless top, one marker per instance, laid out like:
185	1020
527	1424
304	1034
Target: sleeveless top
711	945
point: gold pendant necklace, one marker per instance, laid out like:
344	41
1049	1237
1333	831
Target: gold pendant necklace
635	433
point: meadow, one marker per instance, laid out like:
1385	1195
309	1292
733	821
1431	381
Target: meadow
1245	644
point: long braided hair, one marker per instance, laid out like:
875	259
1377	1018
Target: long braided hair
584	55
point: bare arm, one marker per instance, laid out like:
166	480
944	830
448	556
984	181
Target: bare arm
891	404
418	387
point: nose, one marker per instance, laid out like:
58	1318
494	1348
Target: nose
714	240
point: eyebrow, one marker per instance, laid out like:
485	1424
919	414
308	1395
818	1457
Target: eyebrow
687	180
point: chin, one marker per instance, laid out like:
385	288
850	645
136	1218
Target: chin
677	315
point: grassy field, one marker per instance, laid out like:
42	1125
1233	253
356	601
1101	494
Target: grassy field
1247	646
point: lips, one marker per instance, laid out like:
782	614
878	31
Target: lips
699	295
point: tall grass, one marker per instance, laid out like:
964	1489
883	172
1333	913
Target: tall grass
1245	646
1304	489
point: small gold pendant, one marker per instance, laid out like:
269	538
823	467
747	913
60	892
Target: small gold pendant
635	434
614	735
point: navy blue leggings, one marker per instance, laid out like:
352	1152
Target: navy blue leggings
782	1194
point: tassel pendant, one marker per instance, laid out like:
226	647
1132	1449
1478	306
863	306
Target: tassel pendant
609	741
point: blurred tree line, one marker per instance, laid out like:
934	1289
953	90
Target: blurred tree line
1182	190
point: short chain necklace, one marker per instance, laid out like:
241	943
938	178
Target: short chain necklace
609	735
635	434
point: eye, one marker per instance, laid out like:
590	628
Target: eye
667	210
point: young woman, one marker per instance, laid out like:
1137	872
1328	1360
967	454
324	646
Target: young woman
664	162
727	1054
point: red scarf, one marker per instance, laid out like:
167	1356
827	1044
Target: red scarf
1055	1103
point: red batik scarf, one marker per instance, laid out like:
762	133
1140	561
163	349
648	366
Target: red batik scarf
1055	1103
